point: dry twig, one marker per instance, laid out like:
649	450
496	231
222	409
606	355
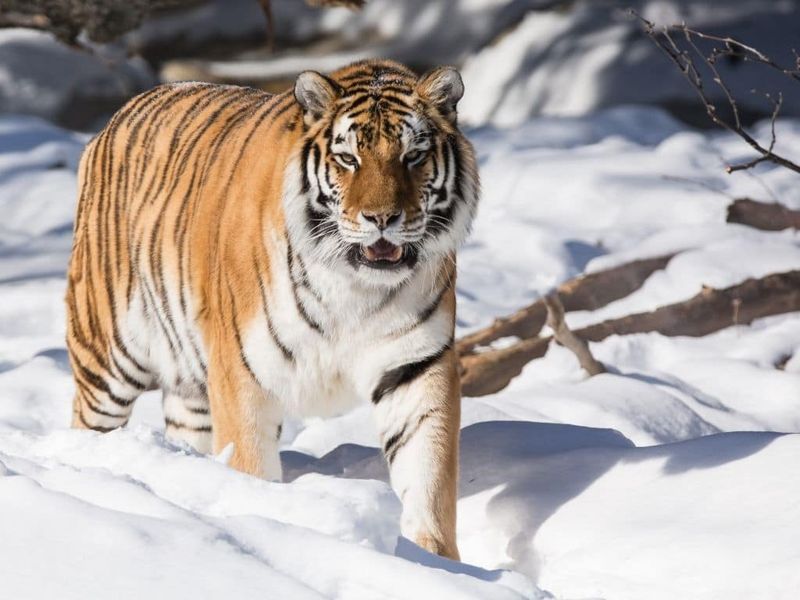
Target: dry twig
565	336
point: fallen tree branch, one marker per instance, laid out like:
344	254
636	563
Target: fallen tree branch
565	336
587	292
709	311
760	215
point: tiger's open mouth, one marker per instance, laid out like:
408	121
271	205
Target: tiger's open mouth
382	251
383	254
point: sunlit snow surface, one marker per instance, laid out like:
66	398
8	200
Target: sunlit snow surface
661	479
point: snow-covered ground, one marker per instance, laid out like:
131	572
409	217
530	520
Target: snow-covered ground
662	479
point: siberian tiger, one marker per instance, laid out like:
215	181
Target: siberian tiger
252	255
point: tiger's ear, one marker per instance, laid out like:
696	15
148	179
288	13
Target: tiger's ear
443	88
315	93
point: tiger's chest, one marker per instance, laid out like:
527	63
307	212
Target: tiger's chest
322	348
313	373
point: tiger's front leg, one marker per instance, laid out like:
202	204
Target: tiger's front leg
245	415
418	410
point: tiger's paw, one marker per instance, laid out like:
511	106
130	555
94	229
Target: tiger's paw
437	546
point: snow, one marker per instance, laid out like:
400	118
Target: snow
671	476
77	87
581	56
519	58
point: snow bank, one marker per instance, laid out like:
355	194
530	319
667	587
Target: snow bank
192	526
639	483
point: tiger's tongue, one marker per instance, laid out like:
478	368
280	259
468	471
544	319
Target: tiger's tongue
383	250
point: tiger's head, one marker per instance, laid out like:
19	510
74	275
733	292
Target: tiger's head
386	180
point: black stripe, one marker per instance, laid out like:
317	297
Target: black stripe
305	153
94	427
298	303
392	442
428	312
331	186
458	178
405	374
395	443
120	345
94	380
100	411
129	379
179	425
168	332
237	334
425	314
89	397
318	222
377	91
287	354
358	74
435	161
356	102
304	281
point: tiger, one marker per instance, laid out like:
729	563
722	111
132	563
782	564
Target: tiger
257	256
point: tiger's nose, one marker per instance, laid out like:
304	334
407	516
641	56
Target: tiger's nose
381	220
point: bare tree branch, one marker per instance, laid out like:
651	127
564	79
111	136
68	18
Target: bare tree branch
685	62
565	336
748	53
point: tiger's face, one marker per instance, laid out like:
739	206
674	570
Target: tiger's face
387	180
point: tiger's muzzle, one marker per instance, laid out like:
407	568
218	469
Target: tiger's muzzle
383	255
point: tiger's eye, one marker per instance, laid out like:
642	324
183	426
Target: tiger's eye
346	159
413	157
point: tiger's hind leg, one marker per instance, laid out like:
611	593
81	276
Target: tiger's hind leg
188	419
100	402
106	383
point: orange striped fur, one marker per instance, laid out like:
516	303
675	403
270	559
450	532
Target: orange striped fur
256	255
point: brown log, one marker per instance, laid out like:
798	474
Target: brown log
587	292
761	215
709	311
